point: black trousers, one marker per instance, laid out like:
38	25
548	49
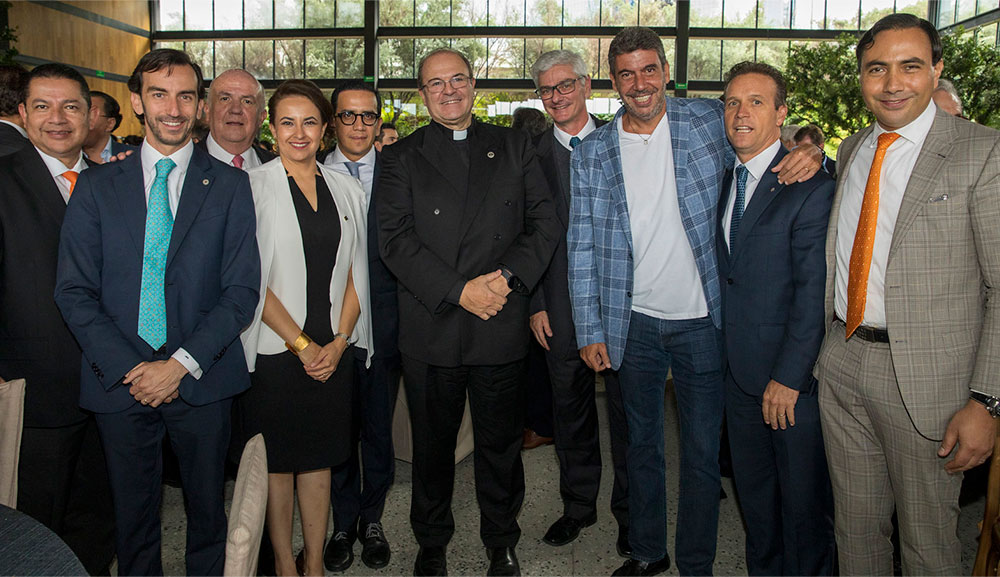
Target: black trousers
538	415
358	486
63	484
436	399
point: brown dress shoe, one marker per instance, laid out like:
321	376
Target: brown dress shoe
533	440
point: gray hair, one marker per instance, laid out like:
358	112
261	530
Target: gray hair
949	87
261	101
554	58
788	132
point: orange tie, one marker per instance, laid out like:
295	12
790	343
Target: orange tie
71	176
864	239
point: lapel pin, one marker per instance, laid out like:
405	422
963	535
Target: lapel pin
772	189
437	211
205	182
345	218
490	154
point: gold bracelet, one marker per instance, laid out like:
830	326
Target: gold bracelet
300	344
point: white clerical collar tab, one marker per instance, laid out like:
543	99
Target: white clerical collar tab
460	134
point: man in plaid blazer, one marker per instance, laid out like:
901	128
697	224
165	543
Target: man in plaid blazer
645	293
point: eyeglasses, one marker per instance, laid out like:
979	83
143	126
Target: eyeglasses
565	87
349	117
436	85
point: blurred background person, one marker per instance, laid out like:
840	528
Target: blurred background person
13	80
386	136
812	134
946	98
105	118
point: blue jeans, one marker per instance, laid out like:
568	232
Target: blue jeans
691	348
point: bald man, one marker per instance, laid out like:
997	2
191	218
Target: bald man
236	108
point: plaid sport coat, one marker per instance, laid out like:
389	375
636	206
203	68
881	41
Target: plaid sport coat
599	239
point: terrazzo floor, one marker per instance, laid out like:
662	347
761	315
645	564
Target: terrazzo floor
593	553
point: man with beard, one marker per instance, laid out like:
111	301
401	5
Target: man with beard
158	275
644	287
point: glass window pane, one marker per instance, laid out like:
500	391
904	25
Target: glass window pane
172	46
506	12
808	14
321	58
350	58
228	14
320	13
288	59
590	50
228	55
350	13
468	12
775	13
423	46
259	58
288	13
842	14
475	50
197	15
654	13
986	6
535	47
171	15
705	60
915	7
874	10
706	13
740	14
581	12
201	52
258	14
773	52
988	35
668	51
506	58
395	58
946	13
619	13
433	12
966	9
395	13
736	51
544	13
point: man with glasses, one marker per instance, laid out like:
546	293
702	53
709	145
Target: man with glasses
357	508
467	225
564	86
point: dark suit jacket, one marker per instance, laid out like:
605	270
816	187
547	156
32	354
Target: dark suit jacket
120	147
10	139
441	226
552	294
211	284
830	166
34	341
262	153
381	285
772	284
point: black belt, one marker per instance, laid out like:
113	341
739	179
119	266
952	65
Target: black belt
869	334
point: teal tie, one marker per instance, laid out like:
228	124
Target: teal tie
738	206
159	225
574	141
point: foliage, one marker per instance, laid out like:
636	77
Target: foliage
8	35
974	67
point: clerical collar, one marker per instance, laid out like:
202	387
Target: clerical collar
456	135
460	134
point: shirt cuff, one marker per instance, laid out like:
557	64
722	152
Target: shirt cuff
455	294
184	358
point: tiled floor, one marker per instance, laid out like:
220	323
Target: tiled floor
591	554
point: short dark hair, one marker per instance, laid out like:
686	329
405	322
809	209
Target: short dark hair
634	38
161	58
385	126
360	85
13	85
111	109
747	67
530	120
901	22
56	70
300	87
813	133
435	52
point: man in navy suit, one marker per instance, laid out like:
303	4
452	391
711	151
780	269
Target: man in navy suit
772	267
158	274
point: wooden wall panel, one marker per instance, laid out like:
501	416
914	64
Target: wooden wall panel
134	12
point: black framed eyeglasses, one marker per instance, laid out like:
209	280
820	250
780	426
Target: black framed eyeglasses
436	85
565	87
349	117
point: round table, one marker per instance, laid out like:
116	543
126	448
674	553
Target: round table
29	548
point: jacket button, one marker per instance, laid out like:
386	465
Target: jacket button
506	203
729	281
628	293
497	237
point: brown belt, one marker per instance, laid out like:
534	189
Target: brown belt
869	334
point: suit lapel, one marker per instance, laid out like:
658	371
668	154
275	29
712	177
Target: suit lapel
129	189
767	189
36	178
440	157
680	123
485	153
617	178
727	184
197	184
550	166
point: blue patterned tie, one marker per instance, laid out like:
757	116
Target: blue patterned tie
159	225
353	168
739	206
574	141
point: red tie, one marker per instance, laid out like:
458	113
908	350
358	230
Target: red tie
71	176
238	161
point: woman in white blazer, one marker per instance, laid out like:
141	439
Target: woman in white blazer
311	233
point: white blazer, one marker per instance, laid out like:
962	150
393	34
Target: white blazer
283	261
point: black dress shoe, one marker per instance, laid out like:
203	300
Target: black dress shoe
300	563
339	554
503	561
622	544
566	529
641	568
430	561
375	551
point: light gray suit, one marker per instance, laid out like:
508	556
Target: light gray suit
885	407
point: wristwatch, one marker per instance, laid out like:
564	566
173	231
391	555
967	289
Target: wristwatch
513	282
991	403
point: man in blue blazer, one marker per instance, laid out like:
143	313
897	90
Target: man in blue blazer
772	265
645	292
158	275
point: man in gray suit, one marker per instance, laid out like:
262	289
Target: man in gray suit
907	371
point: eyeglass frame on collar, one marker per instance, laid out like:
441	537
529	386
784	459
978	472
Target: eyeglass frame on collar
568	86
354	117
436	85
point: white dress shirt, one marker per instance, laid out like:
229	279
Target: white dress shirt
149	156
666	283
756	167
249	155
337	161
896	169
57	168
564	137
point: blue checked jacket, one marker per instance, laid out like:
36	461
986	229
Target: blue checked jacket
599	239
